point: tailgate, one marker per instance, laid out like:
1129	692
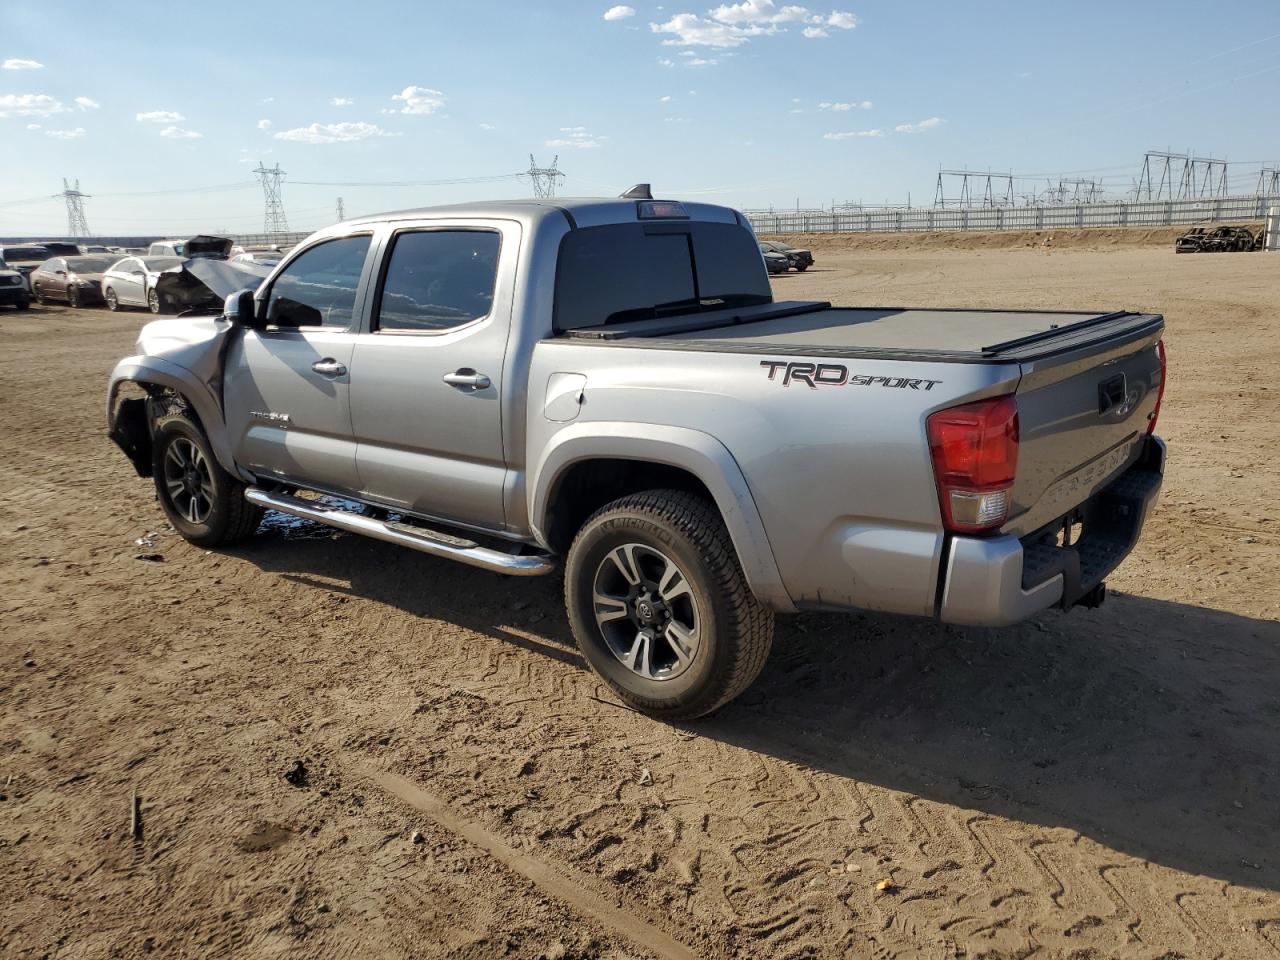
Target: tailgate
1081	419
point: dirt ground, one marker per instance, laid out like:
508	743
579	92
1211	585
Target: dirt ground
1104	784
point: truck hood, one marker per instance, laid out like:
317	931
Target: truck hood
225	277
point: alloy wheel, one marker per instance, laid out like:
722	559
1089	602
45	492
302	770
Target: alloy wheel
646	611
188	480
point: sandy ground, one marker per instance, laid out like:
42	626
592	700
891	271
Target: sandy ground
1102	784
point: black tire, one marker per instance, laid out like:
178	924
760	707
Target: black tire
23	304
229	517
802	267
735	630
73	297
154	303
112	301
38	295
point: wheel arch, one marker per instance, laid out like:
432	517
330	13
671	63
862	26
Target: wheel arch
590	464
147	373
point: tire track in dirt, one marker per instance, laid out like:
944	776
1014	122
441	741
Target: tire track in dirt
574	893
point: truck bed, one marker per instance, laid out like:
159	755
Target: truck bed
818	329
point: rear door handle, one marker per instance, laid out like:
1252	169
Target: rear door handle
329	367
467	379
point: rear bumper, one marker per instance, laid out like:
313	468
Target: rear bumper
997	581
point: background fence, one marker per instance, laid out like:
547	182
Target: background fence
1156	213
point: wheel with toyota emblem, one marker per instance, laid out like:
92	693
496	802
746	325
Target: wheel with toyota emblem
660	607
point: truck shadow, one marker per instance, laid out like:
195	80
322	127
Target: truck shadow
1151	726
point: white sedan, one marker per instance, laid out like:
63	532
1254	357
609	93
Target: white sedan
131	282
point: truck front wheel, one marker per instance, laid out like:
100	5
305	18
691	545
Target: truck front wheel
203	502
660	607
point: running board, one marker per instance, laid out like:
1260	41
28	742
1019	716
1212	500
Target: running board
405	535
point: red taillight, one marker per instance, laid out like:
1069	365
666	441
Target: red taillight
975	457
1164	366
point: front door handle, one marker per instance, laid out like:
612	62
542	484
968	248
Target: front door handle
329	367
467	379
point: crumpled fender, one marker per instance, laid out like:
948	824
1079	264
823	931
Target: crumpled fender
700	454
165	373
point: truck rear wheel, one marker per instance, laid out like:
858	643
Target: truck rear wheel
203	502
660	608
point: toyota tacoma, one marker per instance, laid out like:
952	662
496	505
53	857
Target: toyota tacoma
608	387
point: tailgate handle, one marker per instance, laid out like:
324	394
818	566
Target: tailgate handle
1111	393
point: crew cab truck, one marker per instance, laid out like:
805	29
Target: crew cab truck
609	385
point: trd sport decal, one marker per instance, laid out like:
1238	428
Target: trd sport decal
815	375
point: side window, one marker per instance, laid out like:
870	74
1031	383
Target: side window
439	279
318	289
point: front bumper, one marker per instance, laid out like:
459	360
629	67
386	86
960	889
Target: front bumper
17	293
997	581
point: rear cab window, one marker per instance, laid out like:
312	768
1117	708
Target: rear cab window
623	272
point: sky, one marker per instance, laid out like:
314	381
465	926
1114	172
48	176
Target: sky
162	110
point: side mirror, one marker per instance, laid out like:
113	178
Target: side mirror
240	308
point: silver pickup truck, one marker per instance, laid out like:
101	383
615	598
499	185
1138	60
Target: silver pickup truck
612	383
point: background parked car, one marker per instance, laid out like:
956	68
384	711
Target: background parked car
267	258
800	260
77	280
24	257
13	288
91	248
774	262
131	282
60	248
217	248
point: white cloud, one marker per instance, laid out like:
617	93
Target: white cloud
340	101
75	134
17	63
733	24
843	107
332	133
85	103
33	126
664	99
177	133
160	116
691	30
851	134
620	12
759	11
29	105
419	99
920	127
268	99
264	124
487	126
578	138
664	62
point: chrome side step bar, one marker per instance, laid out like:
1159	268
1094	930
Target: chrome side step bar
405	535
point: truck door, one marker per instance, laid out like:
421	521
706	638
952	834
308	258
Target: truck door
426	389
286	383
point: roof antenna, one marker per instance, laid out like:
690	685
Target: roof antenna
640	191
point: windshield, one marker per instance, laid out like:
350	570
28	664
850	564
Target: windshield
89	264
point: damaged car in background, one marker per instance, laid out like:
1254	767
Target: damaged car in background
76	280
175	285
216	248
13	288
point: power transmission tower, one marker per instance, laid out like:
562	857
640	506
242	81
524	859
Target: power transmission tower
544	178
1172	185
273	218
77	226
342	214
1269	182
997	189
1208	178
